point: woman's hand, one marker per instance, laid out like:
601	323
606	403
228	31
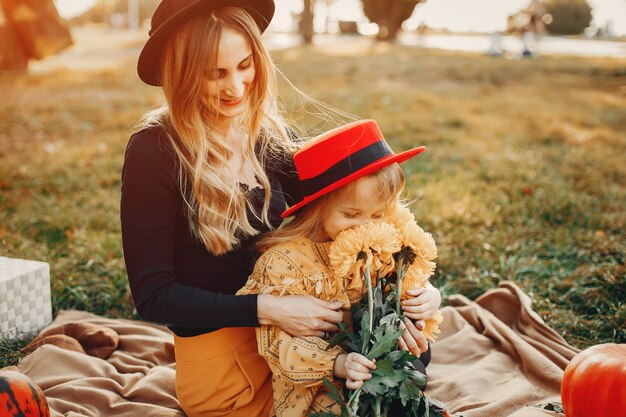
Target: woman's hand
423	304
412	339
354	367
299	315
347	319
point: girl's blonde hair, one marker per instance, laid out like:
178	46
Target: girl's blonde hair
215	203
387	185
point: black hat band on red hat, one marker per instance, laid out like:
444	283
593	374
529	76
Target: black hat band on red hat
352	163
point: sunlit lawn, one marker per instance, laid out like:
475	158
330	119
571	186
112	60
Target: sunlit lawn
524	178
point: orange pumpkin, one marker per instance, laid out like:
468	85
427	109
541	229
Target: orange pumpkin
19	396
594	382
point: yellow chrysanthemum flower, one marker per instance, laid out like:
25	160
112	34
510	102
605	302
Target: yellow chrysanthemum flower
422	245
431	330
344	251
377	241
410	233
384	241
399	216
413	279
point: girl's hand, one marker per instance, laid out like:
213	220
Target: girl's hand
355	368
425	302
299	315
412	339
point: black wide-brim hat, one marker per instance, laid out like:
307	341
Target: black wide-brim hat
341	156
171	14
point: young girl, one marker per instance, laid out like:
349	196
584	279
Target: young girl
348	176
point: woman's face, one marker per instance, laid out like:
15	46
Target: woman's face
352	207
232	77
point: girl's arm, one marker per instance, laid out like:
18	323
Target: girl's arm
302	361
354	368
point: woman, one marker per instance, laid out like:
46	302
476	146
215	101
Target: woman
209	172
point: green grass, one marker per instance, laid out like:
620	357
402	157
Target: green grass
524	178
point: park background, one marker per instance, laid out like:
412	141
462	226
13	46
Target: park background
524	178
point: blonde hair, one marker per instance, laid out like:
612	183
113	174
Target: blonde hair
216	206
388	184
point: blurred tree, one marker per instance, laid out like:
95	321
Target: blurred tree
33	30
569	17
12	55
389	15
306	21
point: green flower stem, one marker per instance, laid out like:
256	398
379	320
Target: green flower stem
370	297
377	406
353	403
400	272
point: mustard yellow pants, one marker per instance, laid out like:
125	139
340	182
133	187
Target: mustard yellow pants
222	374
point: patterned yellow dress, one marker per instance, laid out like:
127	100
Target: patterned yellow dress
299	364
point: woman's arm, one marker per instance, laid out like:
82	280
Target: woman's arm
149	204
302	361
299	315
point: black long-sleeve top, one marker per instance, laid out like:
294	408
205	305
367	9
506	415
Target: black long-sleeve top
173	278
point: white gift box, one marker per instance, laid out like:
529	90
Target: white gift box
25	301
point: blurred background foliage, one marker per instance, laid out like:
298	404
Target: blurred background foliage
568	17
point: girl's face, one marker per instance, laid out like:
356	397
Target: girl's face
232	77
353	206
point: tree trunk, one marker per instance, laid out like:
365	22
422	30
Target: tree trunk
306	22
383	22
12	56
394	20
389	15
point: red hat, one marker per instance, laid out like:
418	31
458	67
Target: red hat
171	14
341	156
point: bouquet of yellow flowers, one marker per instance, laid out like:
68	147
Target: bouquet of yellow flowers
386	258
